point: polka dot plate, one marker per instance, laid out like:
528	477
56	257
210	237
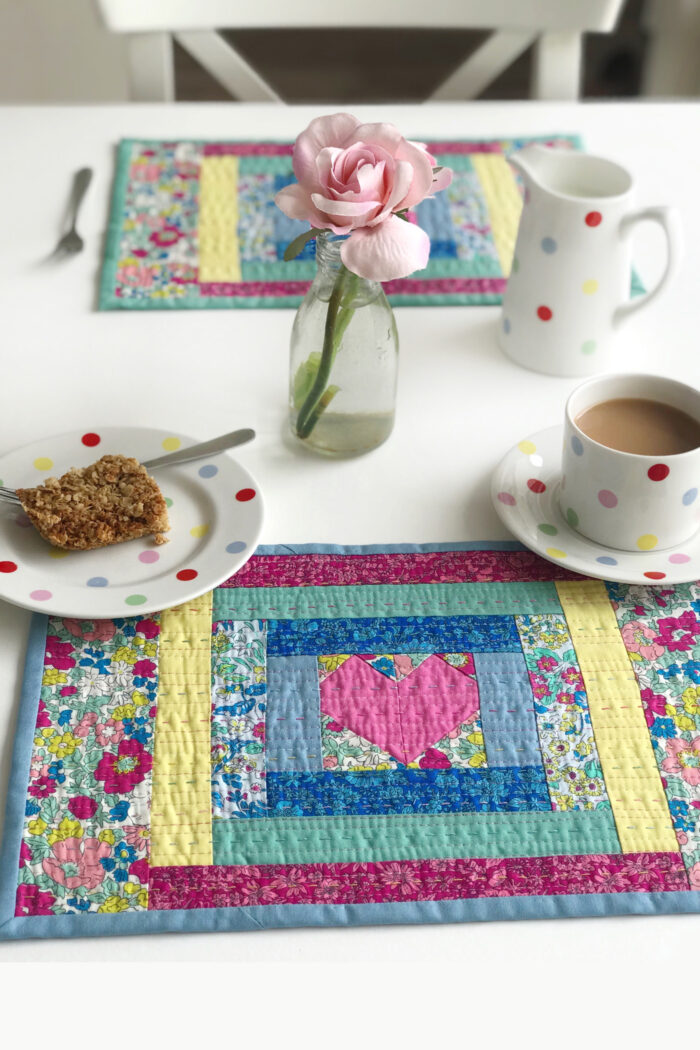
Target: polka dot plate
525	493
216	514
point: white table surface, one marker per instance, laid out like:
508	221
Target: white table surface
461	404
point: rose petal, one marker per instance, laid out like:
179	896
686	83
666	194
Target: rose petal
403	177
441	181
392	249
422	174
346	212
295	202
385	135
333	130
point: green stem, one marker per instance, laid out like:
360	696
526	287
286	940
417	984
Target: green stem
332	336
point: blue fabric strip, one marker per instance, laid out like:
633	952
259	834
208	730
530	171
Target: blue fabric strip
401	634
276	916
507	711
387	548
293	720
407	791
19	772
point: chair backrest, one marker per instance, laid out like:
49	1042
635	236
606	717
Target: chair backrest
555	27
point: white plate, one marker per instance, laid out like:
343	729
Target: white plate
216	513
532	513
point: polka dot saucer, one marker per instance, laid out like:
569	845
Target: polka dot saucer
216	514
525	493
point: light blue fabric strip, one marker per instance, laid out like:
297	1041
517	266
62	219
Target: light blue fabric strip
19	771
276	916
507	711
293	721
387	548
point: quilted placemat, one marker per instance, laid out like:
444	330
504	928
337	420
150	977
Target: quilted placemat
347	735
194	225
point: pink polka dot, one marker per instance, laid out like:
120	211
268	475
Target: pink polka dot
147	557
505	497
41	596
655	575
594	218
679	559
607	498
659	472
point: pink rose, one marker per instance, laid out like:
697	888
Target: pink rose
684	759
353	178
82	807
694	876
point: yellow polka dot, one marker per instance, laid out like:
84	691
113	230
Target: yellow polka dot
43	463
590	287
554	552
199	530
528	447
55	552
647	542
170	444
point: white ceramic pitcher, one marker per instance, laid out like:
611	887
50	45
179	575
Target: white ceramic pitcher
569	288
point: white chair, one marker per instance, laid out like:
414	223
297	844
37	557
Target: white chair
555	27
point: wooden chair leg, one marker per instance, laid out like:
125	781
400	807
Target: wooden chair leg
151	70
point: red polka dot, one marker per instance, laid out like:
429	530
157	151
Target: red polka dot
594	218
243	495
8	566
187	574
655	575
91	440
659	472
535	485
544	313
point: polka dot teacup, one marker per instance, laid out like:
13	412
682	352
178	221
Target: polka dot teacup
569	286
621	499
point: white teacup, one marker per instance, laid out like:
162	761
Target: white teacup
621	499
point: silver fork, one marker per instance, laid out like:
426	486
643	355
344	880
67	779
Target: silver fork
202	450
71	243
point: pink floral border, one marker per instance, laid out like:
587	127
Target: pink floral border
307	570
421	880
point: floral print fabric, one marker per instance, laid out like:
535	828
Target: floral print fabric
85	843
569	752
238	718
661	631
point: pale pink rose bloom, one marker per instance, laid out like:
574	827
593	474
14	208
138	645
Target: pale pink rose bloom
84	725
352	179
103	630
684	759
108	732
640	639
135	276
133	833
694	876
403	665
83	856
330	762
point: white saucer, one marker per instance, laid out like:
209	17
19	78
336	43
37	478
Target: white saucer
215	510
525	493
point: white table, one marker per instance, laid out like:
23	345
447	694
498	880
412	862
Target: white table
461	404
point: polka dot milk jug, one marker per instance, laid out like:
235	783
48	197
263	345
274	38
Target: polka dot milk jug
569	287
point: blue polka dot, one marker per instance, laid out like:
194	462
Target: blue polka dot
606	560
208	471
97	581
549	245
506	325
237	547
576	445
689	497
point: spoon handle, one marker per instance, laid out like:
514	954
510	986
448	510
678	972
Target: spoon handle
201	451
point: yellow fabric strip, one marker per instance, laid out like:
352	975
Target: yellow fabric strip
181	778
631	775
503	202
219	255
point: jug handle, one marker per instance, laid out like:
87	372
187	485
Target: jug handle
669	221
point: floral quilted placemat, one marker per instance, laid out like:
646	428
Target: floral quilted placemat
194	225
347	735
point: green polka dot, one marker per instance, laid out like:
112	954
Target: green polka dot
572	517
515	267
588	347
548	530
168	501
135	599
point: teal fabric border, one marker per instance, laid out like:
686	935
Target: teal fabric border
276	916
108	301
